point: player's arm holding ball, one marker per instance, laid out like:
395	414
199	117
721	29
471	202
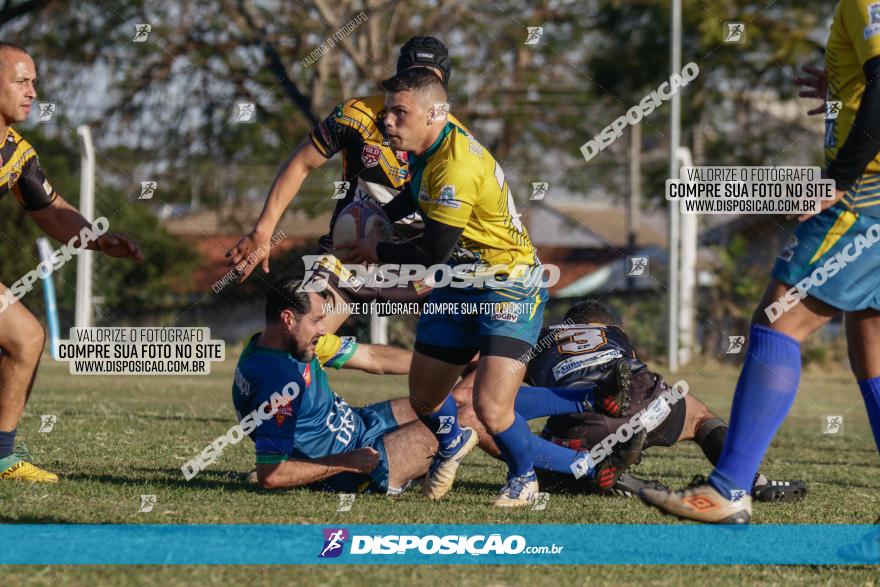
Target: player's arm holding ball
443	227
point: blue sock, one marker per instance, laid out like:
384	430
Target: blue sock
553	457
537	402
515	445
871	394
7	443
764	394
444	424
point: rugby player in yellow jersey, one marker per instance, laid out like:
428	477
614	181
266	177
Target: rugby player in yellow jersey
834	262
470	219
372	167
21	335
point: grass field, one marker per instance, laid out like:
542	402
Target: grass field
117	438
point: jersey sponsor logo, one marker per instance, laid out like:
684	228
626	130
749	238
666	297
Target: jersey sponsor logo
873	28
655	414
341	421
244	387
402	156
447	197
506	312
283	411
572	364
370	155
423	194
475	147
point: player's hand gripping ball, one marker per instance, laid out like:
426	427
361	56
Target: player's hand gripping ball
359	227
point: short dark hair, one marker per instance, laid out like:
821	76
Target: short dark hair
414	79
288	293
592	311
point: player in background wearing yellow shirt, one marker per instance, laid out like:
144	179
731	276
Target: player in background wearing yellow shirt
832	259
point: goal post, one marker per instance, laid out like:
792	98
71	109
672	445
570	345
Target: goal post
83	313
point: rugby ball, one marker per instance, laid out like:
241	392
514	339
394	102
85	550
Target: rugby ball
358	220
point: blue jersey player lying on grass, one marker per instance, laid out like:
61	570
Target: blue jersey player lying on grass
317	439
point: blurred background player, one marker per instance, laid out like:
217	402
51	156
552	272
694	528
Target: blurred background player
586	373
470	218
21	335
771	371
372	167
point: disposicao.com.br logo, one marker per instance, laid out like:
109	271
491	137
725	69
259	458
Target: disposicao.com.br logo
476	545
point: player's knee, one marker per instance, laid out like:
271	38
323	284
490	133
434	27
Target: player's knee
463	395
27	341
492	416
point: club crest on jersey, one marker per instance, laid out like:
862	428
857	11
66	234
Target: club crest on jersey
447	197
307	375
874	13
370	155
873	29
282	412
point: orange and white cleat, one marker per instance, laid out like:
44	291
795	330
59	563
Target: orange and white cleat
701	502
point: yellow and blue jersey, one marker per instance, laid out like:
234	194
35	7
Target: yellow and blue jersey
457	182
853	40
